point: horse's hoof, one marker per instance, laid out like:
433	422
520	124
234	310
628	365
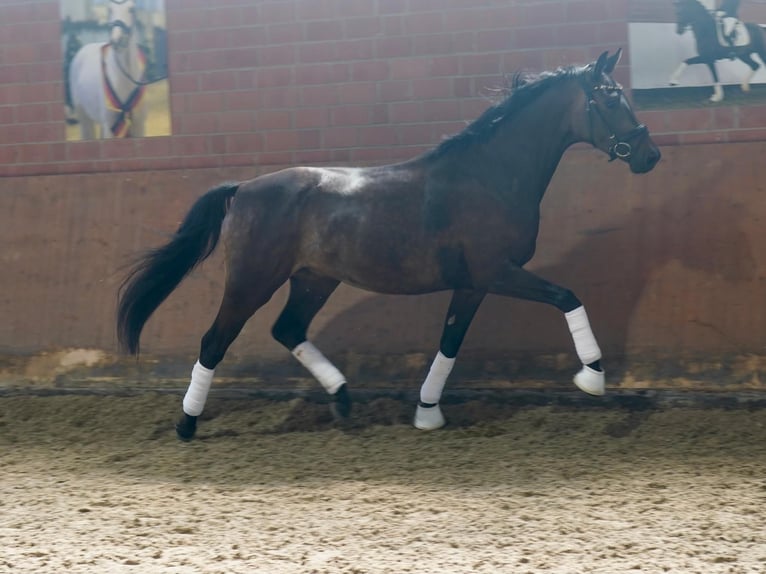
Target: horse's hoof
590	381
341	405
672	83
186	427
428	417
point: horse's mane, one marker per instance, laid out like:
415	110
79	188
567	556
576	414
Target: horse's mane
520	90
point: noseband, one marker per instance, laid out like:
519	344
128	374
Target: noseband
619	146
122	26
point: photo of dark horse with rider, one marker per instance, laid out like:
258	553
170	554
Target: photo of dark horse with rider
700	52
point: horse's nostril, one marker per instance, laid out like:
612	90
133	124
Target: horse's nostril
654	157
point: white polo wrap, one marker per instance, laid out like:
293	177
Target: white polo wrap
318	365
582	335
432	388
196	395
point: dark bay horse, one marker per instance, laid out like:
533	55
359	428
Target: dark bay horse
704	26
462	217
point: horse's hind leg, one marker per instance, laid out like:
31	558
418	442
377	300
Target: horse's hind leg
462	309
516	282
748	59
308	293
238	305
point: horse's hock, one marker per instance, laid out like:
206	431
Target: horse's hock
670	267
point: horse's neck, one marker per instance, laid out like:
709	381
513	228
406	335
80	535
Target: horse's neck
529	148
122	61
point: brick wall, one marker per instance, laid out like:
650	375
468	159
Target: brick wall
279	82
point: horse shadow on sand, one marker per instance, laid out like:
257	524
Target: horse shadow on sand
695	224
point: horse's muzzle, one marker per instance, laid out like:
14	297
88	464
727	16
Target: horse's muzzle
642	163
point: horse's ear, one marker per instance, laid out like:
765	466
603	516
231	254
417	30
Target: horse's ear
598	67
612	60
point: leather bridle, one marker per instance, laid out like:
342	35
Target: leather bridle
619	145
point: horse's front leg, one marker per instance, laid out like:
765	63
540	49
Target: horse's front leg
717	87
462	309
513	281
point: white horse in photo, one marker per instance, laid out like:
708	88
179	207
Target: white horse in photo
107	80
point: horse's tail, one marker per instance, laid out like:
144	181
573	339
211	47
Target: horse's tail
161	270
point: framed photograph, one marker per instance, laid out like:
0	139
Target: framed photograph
115	68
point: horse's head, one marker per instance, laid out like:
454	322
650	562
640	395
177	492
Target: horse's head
609	122
122	19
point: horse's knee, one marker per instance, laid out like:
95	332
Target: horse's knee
288	332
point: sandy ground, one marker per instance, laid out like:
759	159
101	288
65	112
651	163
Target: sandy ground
100	484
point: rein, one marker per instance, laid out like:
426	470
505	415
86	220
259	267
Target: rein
129	31
619	146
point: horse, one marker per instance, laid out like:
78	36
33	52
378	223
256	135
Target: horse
461	217
710	46
107	81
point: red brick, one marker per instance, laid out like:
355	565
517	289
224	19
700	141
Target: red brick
216	145
393	91
281	55
424	23
280	140
311	117
324	30
351	115
241	100
442	110
411	68
322	74
700	119
703	137
289	33
218	81
431	44
244	143
393	47
46	132
318	52
273	120
282	97
530	38
277	12
432	88
83	151
340	137
201	102
445	66
356	50
236	121
312	156
472	64
377	135
320	96
392	6
152	147
493	40
406	112
273	77
362	27
7	115
358	92
586	10
375	71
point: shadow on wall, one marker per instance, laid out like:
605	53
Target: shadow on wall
678	253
